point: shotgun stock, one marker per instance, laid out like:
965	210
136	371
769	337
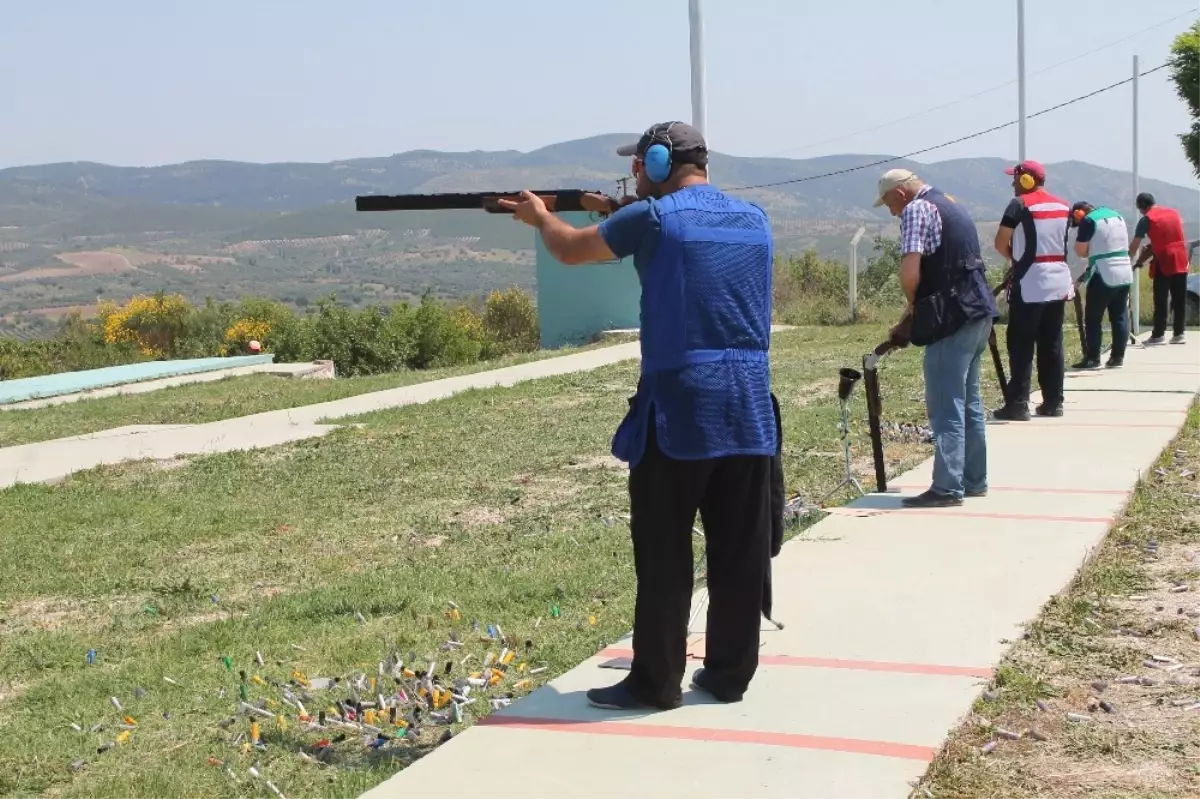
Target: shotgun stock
556	201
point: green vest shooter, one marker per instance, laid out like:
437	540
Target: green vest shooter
1107	237
1104	240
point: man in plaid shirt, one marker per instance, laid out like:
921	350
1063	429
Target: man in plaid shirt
950	313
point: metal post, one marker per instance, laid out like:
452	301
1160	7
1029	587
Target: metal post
1021	79
1136	299
854	273
699	111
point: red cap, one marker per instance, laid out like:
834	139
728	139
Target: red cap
1029	167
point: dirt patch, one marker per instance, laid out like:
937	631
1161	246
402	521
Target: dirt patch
55	613
95	262
184	262
313	241
86	311
10	690
479	516
816	391
569	401
589	462
547	491
257	591
53	312
196	619
99	262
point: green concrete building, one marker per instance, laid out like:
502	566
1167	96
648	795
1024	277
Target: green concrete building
577	302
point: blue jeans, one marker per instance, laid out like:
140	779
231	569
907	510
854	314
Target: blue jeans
956	412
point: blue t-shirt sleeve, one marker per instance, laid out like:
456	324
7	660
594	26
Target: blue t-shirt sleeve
1142	229
626	230
1087	229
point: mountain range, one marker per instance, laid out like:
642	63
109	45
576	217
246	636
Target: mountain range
73	232
234	191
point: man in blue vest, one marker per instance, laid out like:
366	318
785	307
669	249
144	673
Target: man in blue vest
950	313
701	431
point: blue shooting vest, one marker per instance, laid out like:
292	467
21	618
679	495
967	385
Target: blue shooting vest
953	288
705	332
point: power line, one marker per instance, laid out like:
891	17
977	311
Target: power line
969	136
995	88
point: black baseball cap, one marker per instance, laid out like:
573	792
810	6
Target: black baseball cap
687	145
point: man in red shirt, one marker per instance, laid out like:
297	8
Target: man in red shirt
1163	228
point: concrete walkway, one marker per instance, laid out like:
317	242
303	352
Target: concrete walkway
49	461
61	383
53	460
894	621
294	370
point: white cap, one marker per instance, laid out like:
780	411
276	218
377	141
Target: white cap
893	179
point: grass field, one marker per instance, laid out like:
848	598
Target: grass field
327	555
196	403
1119	612
494	499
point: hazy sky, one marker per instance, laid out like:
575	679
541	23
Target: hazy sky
144	82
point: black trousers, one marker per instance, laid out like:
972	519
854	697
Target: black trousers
733	497
1174	288
1035	326
1103	299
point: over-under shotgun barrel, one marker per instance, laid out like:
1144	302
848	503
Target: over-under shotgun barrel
556	201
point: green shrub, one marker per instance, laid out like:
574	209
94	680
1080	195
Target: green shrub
510	320
445	338
372	340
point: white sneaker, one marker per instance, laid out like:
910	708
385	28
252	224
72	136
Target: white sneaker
1153	341
1177	339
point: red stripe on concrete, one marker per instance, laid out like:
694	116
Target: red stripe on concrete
1035	490
793	740
853	665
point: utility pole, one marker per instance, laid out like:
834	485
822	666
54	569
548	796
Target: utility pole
854	273
699	110
1021	80
1137	283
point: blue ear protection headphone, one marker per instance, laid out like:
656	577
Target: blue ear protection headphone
657	159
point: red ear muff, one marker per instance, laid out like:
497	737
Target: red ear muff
1079	214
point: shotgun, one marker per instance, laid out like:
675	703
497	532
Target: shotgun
870	371
1079	321
556	200
997	361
